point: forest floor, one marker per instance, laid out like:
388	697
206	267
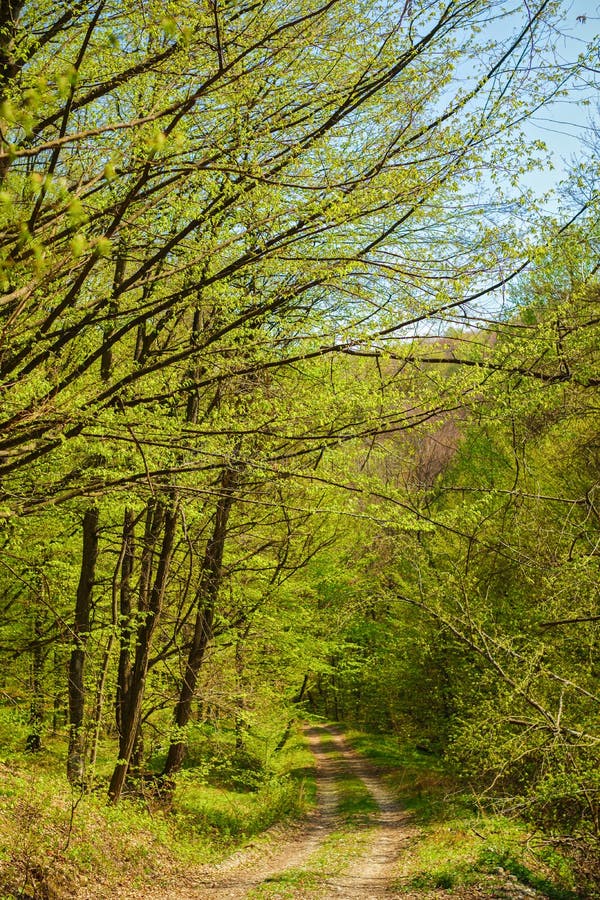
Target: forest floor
351	846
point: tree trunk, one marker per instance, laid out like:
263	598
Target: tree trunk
81	629
131	711
239	702
155	516
33	742
122	572
206	597
124	669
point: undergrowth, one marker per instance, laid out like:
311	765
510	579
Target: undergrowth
459	841
54	840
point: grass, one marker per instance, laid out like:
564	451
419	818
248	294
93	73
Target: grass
286	885
52	838
230	817
458	842
355	805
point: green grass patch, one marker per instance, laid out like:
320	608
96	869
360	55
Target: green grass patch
228	817
52	837
457	840
452	854
514	864
355	803
419	779
286	885
229	810
297	761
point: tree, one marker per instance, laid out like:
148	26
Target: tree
277	198
202	208
81	629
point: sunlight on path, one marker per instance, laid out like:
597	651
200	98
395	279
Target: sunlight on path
325	856
327	859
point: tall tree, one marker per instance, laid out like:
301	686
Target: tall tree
81	629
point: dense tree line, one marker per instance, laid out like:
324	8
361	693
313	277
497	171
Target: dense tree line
488	606
257	449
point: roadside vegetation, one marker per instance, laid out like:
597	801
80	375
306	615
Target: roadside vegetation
461	838
56	840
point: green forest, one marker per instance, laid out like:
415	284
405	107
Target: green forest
300	371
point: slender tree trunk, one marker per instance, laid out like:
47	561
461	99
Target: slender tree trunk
96	722
81	629
155	517
206	597
131	712
106	364
336	708
33	742
154	523
124	670
122	571
59	711
239	699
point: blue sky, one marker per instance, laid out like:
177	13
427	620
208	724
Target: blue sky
565	125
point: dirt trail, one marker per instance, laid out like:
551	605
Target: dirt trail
248	869
366	876
369	876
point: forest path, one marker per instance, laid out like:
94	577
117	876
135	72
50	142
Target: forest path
349	848
379	843
327	856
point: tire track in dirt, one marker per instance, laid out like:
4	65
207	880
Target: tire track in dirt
369	877
291	848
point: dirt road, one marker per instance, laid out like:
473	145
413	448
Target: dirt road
332	855
321	858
